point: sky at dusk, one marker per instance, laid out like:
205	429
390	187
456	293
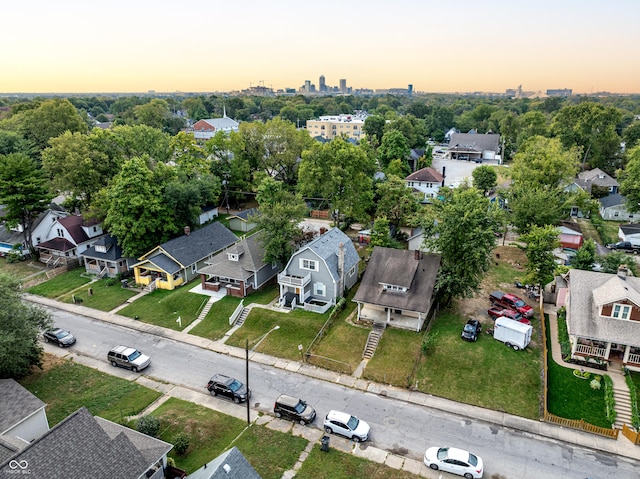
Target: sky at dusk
89	46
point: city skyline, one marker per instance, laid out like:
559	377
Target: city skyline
163	46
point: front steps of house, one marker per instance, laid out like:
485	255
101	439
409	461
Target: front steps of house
242	316
372	341
623	407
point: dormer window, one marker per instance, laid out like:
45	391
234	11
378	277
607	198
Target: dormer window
621	311
394	288
100	248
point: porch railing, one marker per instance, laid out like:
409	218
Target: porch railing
294	280
634	358
591	350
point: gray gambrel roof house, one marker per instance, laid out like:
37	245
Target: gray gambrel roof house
83	446
228	465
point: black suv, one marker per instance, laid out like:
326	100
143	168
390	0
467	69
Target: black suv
221	385
295	409
471	330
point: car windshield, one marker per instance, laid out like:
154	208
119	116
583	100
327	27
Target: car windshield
235	385
353	423
62	334
301	406
519	303
469	328
442	453
134	355
473	460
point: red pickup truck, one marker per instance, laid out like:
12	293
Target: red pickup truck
511	301
497	311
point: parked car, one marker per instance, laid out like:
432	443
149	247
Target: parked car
346	425
127	357
625	246
293	408
471	330
511	301
456	461
61	337
498	311
228	387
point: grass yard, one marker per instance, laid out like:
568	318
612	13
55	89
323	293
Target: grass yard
335	464
296	327
61	284
105	295
485	373
163	308
216	323
22	269
66	386
571	397
342	346
396	358
211	433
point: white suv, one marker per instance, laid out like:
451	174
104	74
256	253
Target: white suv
346	425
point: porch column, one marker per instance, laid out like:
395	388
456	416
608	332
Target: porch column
627	351
388	315
574	345
359	305
607	351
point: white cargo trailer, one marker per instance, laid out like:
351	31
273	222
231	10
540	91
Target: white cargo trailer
514	334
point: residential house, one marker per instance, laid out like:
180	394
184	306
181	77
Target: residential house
105	258
69	237
397	288
177	261
474	146
230	464
629	232
414	157
603	316
206	129
614	207
570	235
40	230
83	446
426	181
597	178
240	268
243	220
22	415
319	273
208	214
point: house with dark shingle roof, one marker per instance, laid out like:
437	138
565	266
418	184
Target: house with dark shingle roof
83	446
427	181
22	415
177	261
397	288
474	146
240	269
105	258
230	464
603	316
242	221
319	273
614	207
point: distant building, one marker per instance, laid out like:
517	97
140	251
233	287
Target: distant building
322	86
563	92
329	127
343	85
205	129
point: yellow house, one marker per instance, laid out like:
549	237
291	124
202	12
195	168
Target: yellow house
177	261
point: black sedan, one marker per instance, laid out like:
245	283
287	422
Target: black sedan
471	330
59	336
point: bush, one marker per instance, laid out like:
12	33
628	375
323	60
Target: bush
428	341
181	444
595	384
609	401
149	425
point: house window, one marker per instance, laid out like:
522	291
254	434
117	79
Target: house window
621	311
352	271
308	264
194	268
60	232
393	287
319	289
615	214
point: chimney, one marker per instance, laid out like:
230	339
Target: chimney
416	254
443	176
187	231
623	271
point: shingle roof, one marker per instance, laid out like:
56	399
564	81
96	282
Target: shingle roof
74	225
589	290
16	404
228	465
113	250
476	141
427	174
57	244
401	268
251	259
613	199
244	215
79	447
327	247
630	229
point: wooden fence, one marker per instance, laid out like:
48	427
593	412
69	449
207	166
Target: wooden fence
581	425
630	434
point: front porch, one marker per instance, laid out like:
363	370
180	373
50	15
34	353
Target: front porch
104	268
395	319
625	354
159	279
235	288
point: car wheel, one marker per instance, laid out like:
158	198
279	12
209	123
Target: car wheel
213	392
134	369
236	400
46	340
468	475
303	422
507	345
60	345
278	414
516	347
355	438
328	430
433	466
114	364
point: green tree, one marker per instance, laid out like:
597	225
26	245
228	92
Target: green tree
537	206
49	120
393	147
381	234
188	155
629	179
395	201
484	178
611	262
374	128
23	192
585	256
20	326
280	213
136	213
342	174
631	135
460	227
155	114
540	243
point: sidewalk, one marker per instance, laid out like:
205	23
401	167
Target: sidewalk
621	447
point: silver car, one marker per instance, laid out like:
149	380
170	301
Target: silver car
127	357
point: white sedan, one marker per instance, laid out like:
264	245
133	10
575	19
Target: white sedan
454	460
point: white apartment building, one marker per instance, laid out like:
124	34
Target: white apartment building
329	127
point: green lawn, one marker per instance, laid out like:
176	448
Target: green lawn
216	323
396	358
211	433
485	373
341	347
22	269
335	464
61	284
69	385
163	308
106	294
